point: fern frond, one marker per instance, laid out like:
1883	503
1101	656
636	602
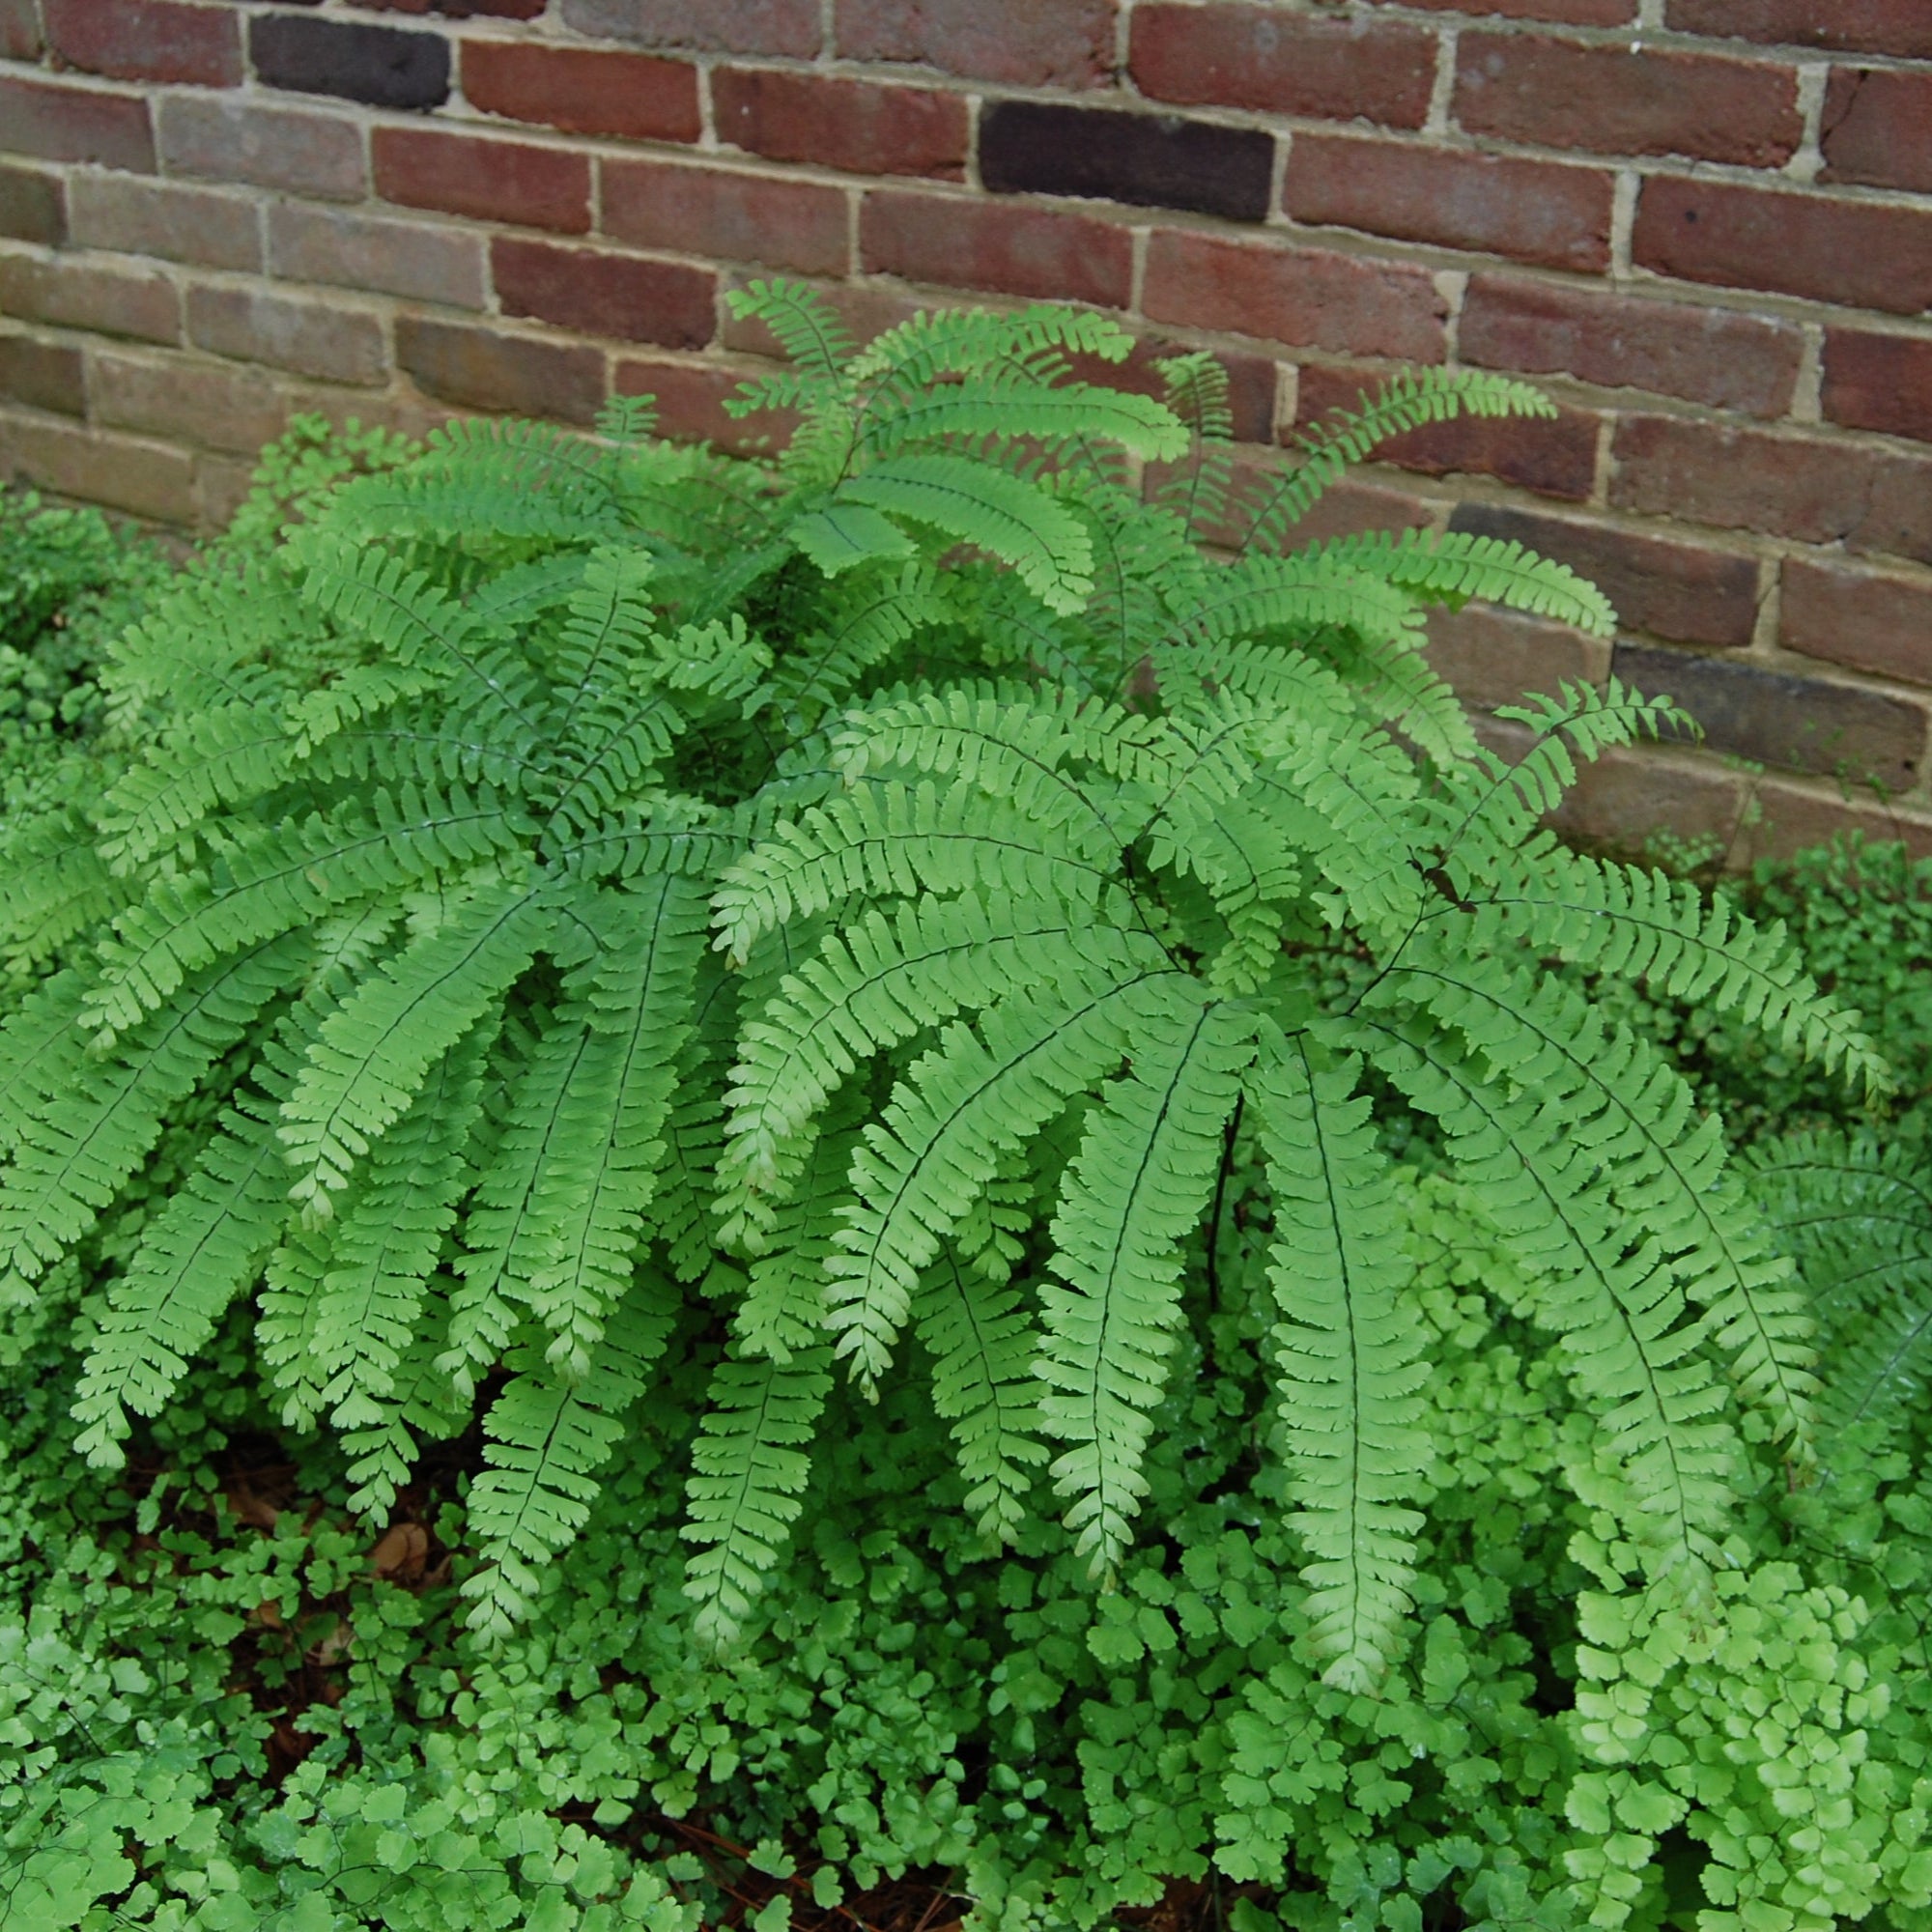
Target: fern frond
1027	343
382	1452
807	325
53	886
1450	566
1070	412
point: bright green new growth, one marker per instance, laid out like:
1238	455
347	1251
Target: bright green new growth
625	896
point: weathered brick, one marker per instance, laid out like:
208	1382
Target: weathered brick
1792	817
704	26
185	402
84	294
1677	590
865	309
151	217
852	125
1252	381
1879	382
999	247
1862	254
43	374
1490	657
75	124
725	215
1351	507
20	38
461	10
381	66
1877	127
221	486
490	180
1715	356
583	90
1277	62
1881	624
1021	43
1549	213
1555	458
314	154
1148	160
142	478
481	369
326	340
146	40
1556	94
622	296
691	400
363	251
1786	485
1310	297
1559	13
32	206
1902	27
1797	723
1625	797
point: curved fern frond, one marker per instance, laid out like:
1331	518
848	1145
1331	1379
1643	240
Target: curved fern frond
1076	412
1450	566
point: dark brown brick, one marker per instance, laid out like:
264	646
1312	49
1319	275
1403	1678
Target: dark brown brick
1879	382
43	374
490	180
725	215
1902	27
288	148
326	340
1555	458
841	123
1021	43
1877	127
84	294
20	38
1277	62
1858	619
1560	13
32	206
620	296
999	247
213	404
1491	657
138	217
75	124
482	369
365	251
691	400
704	26
1862	254
583	90
1677	590
94	467
1715	356
1556	94
1310	297
380	66
146	40
1545	211
463	9
1797	723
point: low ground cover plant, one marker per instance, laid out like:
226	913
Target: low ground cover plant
694	1155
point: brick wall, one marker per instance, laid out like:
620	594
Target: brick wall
1706	225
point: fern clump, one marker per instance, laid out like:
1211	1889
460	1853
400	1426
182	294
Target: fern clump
592	907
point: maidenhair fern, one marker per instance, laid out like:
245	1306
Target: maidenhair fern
599	906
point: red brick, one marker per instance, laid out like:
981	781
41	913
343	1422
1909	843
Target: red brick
1543	211
1310	297
75	124
841	123
326	340
1021	43
363	251
1251	380
865	309
1555	458
33	205
82	294
488	181
1715	356
583	90
1791	819
1856	618
1005	249
1561	13
186	402
705	26
621	296
137	217
20	31
1625	797
308	153
1278	63
146	40
1858	253
1349	508
1877	127
1879	382
464	10
1490	657
691	402
1677	590
481	369
1556	94
726	217
1901	27
43	374
141	478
